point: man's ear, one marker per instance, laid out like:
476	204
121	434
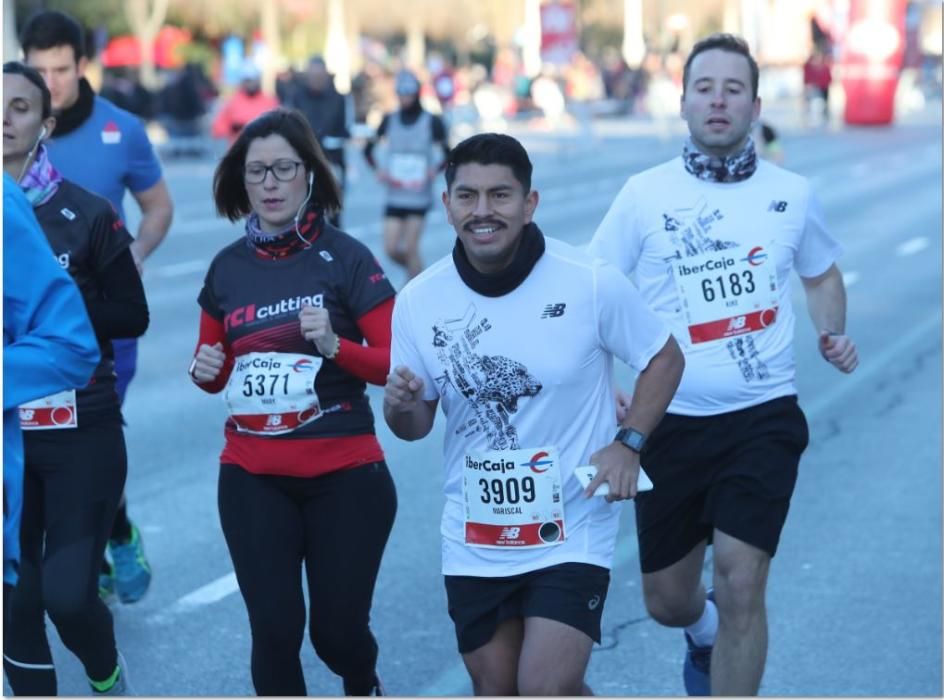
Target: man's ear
530	204
445	201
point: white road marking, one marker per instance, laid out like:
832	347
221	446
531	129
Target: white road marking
912	246
205	595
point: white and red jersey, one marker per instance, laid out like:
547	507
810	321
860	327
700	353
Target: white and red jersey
524	381
714	261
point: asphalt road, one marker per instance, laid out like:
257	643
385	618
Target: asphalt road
855	591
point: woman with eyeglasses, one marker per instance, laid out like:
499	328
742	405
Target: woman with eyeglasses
285	315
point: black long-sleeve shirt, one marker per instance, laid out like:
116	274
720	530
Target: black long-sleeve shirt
90	241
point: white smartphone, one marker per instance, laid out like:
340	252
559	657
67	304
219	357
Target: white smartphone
586	473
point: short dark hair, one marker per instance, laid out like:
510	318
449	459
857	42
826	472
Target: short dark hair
47	29
491	149
32	75
725	42
229	188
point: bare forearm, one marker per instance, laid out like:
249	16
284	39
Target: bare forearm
154	226
413	424
826	301
655	388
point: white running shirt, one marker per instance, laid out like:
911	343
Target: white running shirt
714	261
527	370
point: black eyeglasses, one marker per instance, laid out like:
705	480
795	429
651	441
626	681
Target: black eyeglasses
282	170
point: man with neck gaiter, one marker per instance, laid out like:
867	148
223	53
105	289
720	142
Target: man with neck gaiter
712	237
522	366
105	150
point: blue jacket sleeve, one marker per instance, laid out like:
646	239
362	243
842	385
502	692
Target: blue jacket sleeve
49	344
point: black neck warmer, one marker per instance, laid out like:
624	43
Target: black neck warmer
71	118
410	114
530	250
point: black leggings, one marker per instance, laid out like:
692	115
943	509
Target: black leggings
73	481
337	525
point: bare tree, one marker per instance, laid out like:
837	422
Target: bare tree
146	18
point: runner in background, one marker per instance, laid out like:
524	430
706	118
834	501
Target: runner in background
407	171
315	96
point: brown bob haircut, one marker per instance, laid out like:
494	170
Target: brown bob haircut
229	189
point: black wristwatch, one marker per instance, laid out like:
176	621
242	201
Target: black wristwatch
632	438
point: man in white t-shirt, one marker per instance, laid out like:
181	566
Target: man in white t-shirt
713	237
515	334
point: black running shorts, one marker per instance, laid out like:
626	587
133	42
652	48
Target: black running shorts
570	593
732	471
403	212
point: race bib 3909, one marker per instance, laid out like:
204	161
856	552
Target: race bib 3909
513	498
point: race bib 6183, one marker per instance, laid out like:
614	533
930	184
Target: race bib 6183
725	293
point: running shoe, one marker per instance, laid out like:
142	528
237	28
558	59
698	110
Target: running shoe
121	686
696	673
132	571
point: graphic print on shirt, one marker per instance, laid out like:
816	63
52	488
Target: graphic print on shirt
744	352
689	229
722	294
491	384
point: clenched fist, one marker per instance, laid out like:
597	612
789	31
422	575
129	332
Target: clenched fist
208	363
316	327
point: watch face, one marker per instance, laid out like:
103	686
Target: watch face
633	439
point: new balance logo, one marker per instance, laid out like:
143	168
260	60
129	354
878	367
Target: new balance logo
553	310
737	323
509	533
777	205
274	420
27	413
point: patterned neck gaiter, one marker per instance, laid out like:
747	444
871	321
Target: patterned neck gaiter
286	241
734	168
41	180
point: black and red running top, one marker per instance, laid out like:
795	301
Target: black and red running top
251	298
